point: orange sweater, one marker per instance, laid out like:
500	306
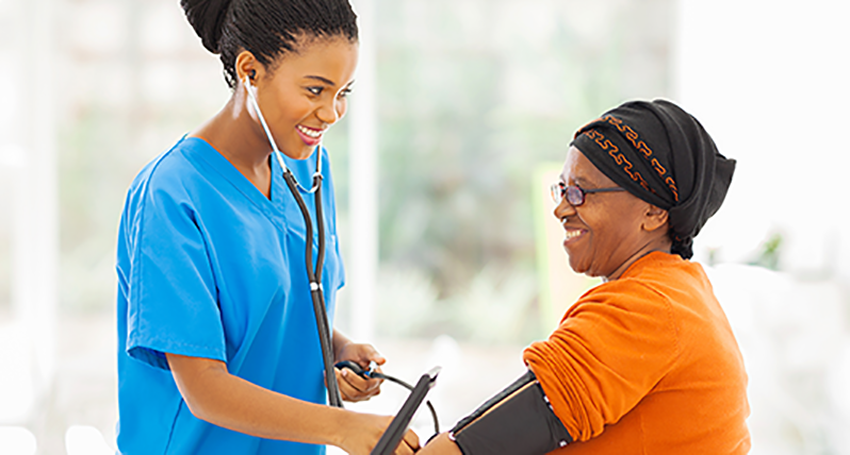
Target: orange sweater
647	364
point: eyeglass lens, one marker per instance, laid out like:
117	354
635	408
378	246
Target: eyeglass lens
574	194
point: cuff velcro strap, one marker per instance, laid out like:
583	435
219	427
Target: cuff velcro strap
518	420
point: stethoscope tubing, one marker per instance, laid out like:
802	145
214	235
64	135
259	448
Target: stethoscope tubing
314	275
410	387
372	373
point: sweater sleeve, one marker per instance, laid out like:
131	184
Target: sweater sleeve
612	347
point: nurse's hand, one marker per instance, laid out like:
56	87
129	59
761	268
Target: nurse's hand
353	387
362	435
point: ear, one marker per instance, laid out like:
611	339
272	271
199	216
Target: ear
654	218
248	65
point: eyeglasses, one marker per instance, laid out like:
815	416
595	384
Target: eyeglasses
574	193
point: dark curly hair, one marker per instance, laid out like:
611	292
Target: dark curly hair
266	28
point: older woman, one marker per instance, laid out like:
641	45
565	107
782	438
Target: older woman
645	363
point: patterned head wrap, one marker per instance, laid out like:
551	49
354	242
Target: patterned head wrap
662	155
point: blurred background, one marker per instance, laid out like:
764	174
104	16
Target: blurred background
461	115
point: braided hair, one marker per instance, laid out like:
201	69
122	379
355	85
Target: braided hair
266	28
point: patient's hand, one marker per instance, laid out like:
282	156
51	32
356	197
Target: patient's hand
441	445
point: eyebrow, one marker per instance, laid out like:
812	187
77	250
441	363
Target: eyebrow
576	180
321	79
327	81
582	182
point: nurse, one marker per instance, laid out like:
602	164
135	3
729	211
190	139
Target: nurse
218	350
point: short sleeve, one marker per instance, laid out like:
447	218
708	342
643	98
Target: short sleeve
610	350
172	298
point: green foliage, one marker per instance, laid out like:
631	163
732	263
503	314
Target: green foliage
472	95
467	110
769	253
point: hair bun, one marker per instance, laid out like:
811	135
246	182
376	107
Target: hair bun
207	18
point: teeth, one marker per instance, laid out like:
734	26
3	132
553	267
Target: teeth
308	131
571	234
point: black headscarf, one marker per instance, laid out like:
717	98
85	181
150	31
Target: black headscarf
661	154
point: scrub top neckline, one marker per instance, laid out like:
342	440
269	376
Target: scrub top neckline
223	166
273	206
281	206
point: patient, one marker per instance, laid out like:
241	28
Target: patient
646	362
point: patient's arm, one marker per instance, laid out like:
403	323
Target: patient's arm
518	420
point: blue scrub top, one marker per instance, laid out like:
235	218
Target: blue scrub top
209	267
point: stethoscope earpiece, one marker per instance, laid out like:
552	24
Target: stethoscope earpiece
314	274
252	101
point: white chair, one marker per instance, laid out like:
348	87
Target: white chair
17	441
86	440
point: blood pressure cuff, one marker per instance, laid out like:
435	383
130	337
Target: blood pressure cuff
518	420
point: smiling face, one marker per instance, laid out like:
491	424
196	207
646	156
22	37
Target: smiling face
610	230
304	93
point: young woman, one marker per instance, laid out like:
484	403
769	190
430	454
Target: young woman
218	345
645	363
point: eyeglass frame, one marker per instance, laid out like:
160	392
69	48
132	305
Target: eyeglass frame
560	191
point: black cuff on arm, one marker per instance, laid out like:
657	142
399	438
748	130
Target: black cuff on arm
518	420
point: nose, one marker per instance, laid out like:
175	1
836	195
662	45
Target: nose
564	210
331	111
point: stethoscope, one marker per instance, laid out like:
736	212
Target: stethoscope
314	273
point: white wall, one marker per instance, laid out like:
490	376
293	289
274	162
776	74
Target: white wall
769	81
28	158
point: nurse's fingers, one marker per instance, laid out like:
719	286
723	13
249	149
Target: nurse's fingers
361	383
365	384
353	387
362	353
409	444
371	354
